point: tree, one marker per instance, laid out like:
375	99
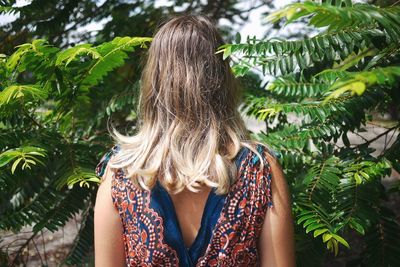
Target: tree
332	81
49	133
62	23
58	88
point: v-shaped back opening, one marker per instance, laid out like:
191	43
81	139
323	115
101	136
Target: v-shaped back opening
210	214
176	219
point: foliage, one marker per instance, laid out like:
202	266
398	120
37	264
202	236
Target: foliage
60	82
50	140
52	20
332	82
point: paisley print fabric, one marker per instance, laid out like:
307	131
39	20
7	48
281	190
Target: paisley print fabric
230	227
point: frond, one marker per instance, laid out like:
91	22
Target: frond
27	92
383	241
65	57
82	248
112	55
358	82
280	57
337	18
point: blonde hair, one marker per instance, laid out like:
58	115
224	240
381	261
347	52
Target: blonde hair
189	127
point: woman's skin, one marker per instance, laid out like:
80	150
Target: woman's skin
277	236
108	239
276	247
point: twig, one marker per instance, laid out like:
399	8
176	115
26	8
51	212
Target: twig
13	263
395	3
384	149
32	119
40	256
376	124
380	135
44	248
362	137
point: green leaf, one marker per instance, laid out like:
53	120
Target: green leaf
326	237
15	164
67	56
314	226
5	158
358	227
112	55
341	240
357	178
227	52
22	91
237	38
319	232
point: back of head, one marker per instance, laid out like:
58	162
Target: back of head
184	79
189	127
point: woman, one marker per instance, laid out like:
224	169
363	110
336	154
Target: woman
191	188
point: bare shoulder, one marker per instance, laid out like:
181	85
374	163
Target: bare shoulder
277	236
270	159
270	154
108	230
272	166
279	182
104	189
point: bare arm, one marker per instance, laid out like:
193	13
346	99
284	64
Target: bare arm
108	238
277	236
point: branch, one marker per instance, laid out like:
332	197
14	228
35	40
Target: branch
13	263
379	136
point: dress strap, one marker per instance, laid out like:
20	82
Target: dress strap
263	175
102	164
266	172
266	149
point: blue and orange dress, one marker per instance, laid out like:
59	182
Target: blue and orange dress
230	226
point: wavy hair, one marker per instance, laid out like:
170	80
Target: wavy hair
189	129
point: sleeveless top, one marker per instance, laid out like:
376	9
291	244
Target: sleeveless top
230	226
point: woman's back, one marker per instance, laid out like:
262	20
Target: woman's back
190	132
221	229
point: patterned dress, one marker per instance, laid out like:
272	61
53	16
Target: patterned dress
230	224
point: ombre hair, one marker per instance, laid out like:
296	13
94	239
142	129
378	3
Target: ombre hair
189	129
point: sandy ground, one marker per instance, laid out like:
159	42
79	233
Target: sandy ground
47	248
